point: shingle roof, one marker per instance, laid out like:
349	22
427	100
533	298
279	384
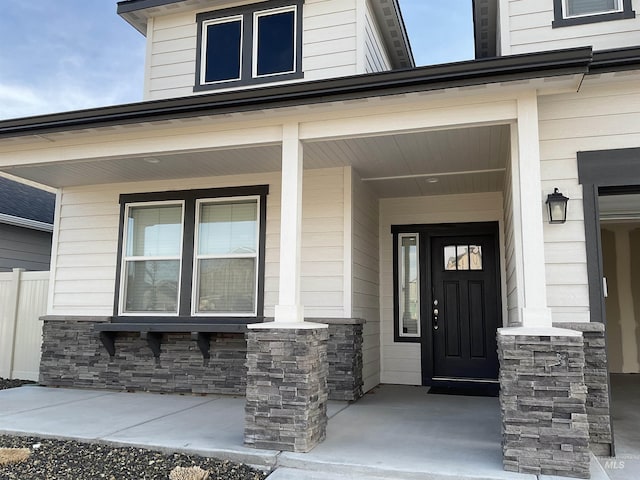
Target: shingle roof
24	201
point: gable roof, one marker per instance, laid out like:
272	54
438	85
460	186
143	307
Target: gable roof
26	206
387	12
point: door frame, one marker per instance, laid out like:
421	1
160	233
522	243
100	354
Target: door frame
426	232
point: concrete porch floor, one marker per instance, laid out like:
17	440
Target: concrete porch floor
396	432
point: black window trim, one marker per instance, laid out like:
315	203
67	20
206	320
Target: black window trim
186	275
247	13
561	21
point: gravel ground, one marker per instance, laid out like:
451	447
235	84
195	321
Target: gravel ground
6	383
71	460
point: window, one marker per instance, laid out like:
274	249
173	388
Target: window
462	257
576	12
274	42
197	254
246	45
408	285
223	50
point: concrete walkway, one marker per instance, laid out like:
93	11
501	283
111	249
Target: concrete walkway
393	432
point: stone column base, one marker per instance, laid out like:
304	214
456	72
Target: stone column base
287	391
543	402
596	378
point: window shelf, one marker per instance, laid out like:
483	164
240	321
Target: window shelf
152	333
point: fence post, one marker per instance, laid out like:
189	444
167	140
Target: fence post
8	326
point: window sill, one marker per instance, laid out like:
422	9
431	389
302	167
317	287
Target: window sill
605	17
248	82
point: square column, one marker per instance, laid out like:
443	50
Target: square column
545	429
289	308
528	220
287	392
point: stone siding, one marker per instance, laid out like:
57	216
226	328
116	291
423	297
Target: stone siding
287	391
73	356
344	354
543	403
596	377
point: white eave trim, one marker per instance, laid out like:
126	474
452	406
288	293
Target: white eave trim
25	222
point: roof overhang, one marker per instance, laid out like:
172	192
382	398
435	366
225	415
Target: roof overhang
25	223
462	74
387	12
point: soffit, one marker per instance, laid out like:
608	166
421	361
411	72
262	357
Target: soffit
464	160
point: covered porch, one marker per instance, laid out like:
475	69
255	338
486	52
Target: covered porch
339	174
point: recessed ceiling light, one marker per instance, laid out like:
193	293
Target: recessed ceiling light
152	160
433	180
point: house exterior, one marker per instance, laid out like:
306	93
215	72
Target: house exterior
26	226
304	214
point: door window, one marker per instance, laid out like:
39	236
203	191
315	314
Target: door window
462	257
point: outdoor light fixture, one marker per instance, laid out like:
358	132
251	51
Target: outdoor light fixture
557	204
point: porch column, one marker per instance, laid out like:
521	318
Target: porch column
289	308
287	366
527	213
545	430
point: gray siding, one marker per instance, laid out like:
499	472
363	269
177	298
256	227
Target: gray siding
24	248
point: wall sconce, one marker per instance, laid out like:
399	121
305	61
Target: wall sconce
557	204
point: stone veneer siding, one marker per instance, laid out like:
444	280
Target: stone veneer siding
73	356
287	391
344	354
543	402
596	377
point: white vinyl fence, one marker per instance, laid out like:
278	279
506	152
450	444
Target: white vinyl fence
23	300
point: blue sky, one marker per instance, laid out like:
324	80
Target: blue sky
60	55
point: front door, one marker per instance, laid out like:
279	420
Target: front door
464	308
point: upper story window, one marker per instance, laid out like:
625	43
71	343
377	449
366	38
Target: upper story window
249	45
577	12
195	253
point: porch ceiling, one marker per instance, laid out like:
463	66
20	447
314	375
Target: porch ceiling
463	160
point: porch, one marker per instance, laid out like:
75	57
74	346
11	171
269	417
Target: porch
392	432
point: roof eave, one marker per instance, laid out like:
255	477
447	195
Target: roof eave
460	74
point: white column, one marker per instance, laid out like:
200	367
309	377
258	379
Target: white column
289	308
527	206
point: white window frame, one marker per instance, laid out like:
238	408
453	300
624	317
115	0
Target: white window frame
401	285
203	53
196	256
254	53
126	258
565	10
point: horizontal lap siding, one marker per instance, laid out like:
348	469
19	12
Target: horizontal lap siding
376	58
401	361
329	39
88	238
172	57
24	248
596	118
530	29
366	276
512	300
